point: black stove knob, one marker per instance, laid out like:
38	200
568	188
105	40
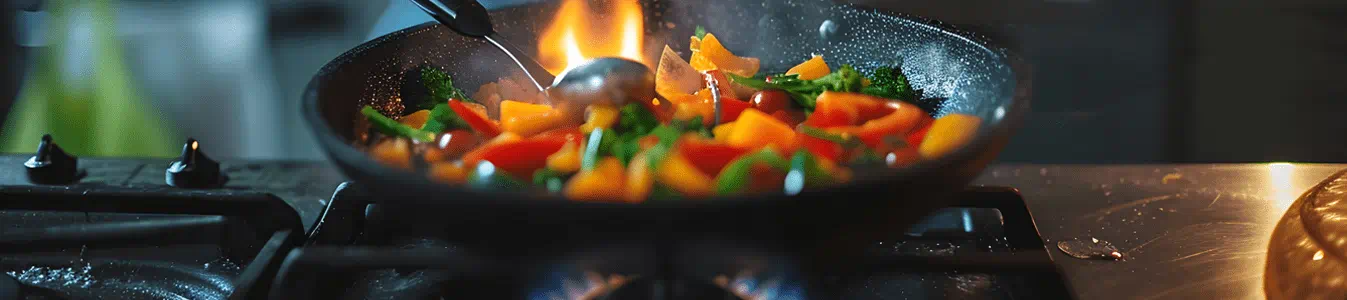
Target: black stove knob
51	165
194	169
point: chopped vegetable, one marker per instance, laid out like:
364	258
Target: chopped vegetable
551	180
519	158
394	152
889	82
442	118
478	122
708	156
675	76
416	119
391	127
600	117
712	55
604	183
640	180
487	177
567	159
814	68
447	172
755	129
948	133
441	86
636	119
515	109
806	172
805	92
736	176
679	174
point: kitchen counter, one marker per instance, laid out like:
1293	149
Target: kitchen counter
1203	235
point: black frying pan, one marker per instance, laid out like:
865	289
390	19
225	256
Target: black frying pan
976	76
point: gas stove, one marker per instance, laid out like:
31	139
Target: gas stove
194	228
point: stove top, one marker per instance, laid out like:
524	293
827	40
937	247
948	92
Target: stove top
117	229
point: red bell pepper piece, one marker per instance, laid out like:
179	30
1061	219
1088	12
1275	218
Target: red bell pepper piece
477	121
820	147
708	156
915	137
518	158
730	109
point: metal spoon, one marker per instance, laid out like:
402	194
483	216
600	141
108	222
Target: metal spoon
469	18
605	80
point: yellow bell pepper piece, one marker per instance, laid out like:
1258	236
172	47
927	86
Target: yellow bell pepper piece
509	109
447	172
567	159
722	131
947	134
600	116
416	119
395	153
604	183
811	69
679	174
639	179
712	55
755	129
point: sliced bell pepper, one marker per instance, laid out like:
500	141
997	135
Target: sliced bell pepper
477	121
679	174
604	183
416	119
811	69
833	109
566	160
737	176
722	131
530	125
722	83
448	172
393	152
755	129
569	133
897	124
640	179
510	109
915	137
948	133
902	157
712	55
452	144
708	156
518	158
822	148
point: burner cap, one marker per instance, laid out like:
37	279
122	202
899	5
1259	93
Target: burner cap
194	169
51	165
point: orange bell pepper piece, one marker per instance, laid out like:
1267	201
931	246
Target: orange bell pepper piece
681	175
814	68
708	156
416	119
755	129
604	183
948	133
710	54
640	179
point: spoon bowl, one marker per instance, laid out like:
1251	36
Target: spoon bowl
605	80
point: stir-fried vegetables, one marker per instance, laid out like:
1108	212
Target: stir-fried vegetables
786	133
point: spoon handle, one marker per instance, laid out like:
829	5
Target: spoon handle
464	16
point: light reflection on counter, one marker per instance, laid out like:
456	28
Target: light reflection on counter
1281	186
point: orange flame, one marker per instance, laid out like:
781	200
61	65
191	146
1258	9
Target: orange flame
576	34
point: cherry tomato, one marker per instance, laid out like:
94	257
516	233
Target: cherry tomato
452	144
770	101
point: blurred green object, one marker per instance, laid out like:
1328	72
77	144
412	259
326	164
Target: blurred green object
105	116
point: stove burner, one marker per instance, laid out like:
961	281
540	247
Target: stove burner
984	248
126	280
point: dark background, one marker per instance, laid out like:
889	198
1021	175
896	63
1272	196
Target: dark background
1116	81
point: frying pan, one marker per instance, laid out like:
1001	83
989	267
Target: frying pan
828	225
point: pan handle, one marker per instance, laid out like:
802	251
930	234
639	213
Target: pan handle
467	17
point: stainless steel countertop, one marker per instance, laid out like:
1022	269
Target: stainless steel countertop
1202	237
